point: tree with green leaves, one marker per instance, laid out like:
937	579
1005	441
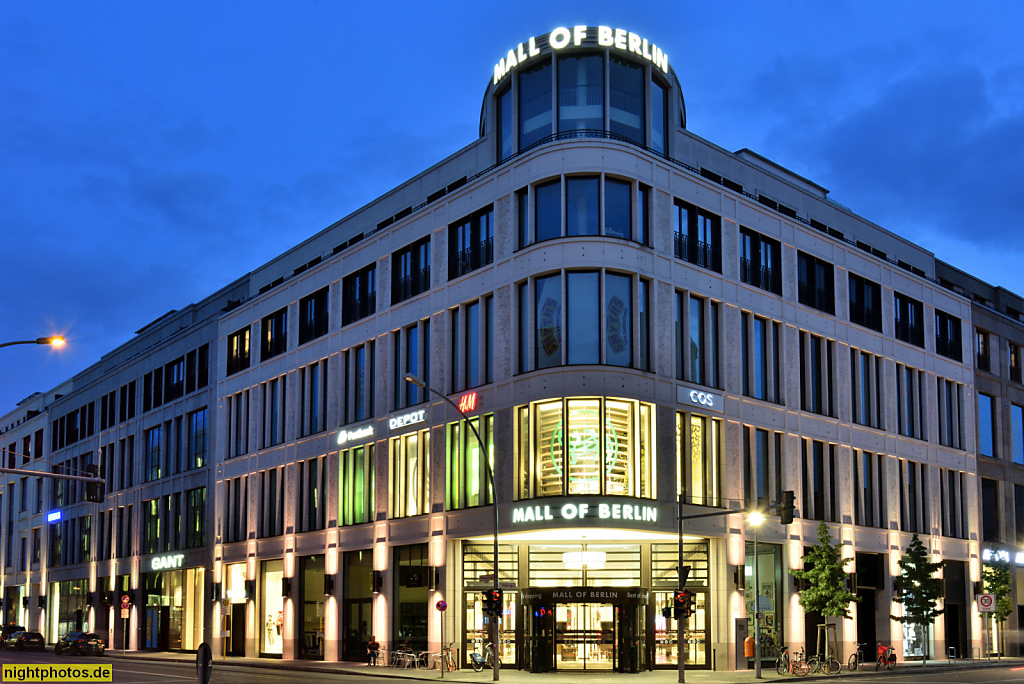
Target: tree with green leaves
997	578
826	591
918	590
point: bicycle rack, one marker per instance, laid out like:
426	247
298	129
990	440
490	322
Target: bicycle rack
951	654
976	653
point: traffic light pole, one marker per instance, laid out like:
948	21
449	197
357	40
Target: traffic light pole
786	511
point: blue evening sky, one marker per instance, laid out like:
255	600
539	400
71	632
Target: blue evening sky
151	152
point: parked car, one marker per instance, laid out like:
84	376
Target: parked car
25	641
7	630
80	643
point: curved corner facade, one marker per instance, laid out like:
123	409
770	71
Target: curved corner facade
632	323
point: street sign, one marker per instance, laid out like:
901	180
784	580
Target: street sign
441	606
125	612
126	599
986	603
486	578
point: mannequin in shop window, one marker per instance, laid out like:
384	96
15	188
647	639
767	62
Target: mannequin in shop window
271	629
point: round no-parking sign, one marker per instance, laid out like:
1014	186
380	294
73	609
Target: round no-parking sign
441	606
987	603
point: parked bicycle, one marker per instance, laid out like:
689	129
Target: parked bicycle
886	657
486	660
857	659
782	662
826	663
448	660
797	665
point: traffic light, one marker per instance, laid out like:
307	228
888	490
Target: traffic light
788	501
683	604
492	602
499	602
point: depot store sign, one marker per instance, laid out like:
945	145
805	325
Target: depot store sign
596	511
562	37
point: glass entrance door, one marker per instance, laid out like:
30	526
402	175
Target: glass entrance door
694	631
585	636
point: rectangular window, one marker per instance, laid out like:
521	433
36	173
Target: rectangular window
583	337
359	294
356	485
547	199
313	384
238	424
238	352
909	319
523	291
1015	362
505	124
986	428
762	464
582	205
760	341
311	509
697	236
981	340
580	93
410	474
174	379
358	388
471	242
990	510
523	217
912	487
626	99
237	509
618	314
643	302
659	117
643	210
816	283
314	311
411	355
1018	512
760	261
534	104
195	518
548	308
948	336
273	396
274	334
865	302
698	459
1017	430
553	463
949	405
467	480
151	526
410	270
154	445
472	344
910	401
817	376
196	442
864	489
819	481
696	333
867	374
952	504
618	208
270	512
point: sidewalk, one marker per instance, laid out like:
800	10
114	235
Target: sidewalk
520	676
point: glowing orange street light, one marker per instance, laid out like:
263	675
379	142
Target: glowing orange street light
56	341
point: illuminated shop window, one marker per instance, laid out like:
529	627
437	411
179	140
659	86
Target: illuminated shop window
585	446
698	444
467	476
356	498
410	474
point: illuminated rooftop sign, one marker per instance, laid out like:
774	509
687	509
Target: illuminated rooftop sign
561	37
585	511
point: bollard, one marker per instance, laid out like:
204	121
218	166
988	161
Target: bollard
204	664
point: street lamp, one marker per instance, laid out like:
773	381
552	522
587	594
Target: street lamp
485	455
57	341
756	518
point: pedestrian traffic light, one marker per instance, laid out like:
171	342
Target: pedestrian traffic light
788	500
683	604
492	602
94	491
499	602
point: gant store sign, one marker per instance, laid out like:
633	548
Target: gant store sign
590	511
563	37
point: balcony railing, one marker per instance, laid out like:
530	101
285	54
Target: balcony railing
412	284
984	362
948	347
912	334
760	276
355	308
816	297
696	252
472	258
867	316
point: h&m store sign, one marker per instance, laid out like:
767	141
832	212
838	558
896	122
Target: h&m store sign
599	512
562	37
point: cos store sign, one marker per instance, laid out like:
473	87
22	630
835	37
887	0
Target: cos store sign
707	401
